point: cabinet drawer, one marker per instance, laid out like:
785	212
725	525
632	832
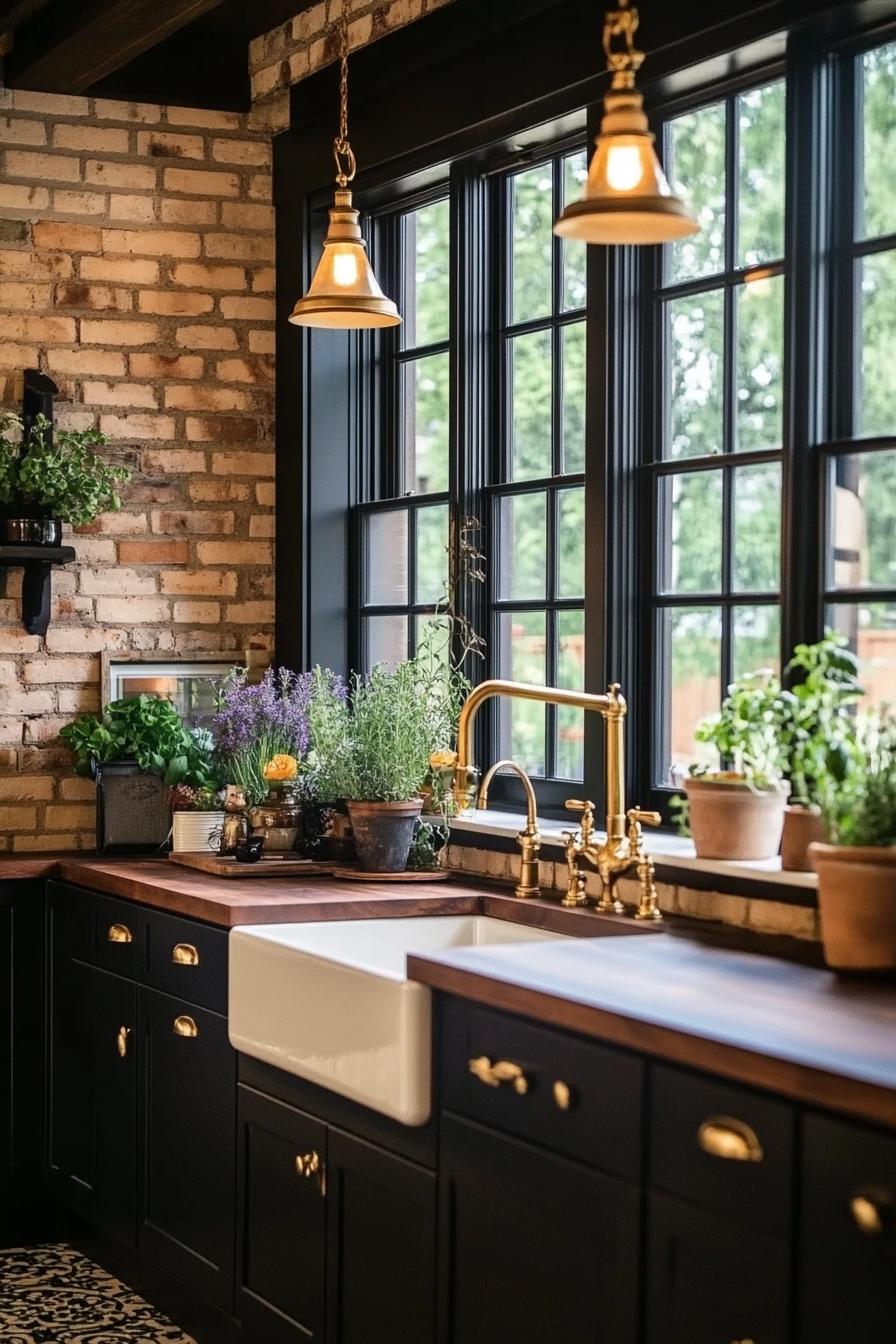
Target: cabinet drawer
98	930
117	929
847	1275
186	959
723	1147
571	1095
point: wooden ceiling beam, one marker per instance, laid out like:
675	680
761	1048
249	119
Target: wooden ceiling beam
73	46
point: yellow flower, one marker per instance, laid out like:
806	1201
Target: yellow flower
443	760
281	767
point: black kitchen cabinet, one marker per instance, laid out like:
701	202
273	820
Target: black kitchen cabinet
336	1236
92	1090
381	1245
533	1247
281	1226
186	1133
6	1069
712	1279
847	1276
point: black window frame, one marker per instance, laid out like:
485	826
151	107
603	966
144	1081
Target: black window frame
469	153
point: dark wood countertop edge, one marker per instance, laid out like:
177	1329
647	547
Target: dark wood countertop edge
798	1082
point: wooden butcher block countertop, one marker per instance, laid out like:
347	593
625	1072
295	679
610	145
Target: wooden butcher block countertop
283	900
795	1029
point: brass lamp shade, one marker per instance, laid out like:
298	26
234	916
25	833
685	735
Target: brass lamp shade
344	293
627	197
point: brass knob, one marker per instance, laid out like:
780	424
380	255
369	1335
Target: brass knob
564	1098
119	933
502	1071
185	954
869	1215
185	1026
732	1140
121	1040
647	819
308	1164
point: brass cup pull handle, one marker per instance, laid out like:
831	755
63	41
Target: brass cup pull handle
121	1041
729	1139
185	954
185	1026
498	1073
868	1213
119	933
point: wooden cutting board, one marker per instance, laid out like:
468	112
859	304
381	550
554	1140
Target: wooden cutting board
290	865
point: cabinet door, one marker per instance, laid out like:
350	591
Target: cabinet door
710	1281
381	1245
281	1221
91	1150
848	1234
532	1247
187	1143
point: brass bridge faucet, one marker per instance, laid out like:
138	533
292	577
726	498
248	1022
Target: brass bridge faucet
621	852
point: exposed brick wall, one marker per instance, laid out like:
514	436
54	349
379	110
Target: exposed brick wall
298	48
136	268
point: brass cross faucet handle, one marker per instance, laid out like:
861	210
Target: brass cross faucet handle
576	842
647	898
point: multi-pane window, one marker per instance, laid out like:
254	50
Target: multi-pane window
718	415
538	499
404	536
860	568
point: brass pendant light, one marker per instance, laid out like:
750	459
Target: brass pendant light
627	198
344	293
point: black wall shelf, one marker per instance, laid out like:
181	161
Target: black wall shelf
37	562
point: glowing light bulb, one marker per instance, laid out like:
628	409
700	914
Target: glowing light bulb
345	269
624	167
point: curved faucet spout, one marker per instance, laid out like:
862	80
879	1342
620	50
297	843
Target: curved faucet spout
531	806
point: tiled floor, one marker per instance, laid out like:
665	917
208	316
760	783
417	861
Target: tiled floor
55	1295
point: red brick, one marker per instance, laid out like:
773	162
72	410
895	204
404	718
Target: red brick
245	370
131	610
166	366
211	429
198	522
250	613
163	145
198	182
200	583
137	426
254	153
176	461
206	338
197	613
106	363
176	211
209	277
118	333
97	298
153	552
36	265
132	209
168	303
125	271
233	553
60	237
128	395
20	294
198	397
152	242
239	246
243	464
252	310
80	203
56	671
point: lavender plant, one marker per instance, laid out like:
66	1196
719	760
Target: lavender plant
254	723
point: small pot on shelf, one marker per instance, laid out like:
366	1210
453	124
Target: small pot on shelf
857	902
383	833
802	827
28	525
732	819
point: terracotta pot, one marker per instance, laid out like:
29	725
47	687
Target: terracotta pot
383	833
802	826
857	900
729	820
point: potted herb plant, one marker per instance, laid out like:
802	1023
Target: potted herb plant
137	750
196	818
738	813
818	734
50	477
373	750
856	865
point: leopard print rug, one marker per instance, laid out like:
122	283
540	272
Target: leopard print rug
55	1295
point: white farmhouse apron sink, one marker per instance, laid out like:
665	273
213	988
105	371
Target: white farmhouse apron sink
332	1003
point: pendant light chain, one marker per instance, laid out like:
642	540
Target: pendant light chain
342	150
624	62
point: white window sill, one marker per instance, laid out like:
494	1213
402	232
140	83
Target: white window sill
670	850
